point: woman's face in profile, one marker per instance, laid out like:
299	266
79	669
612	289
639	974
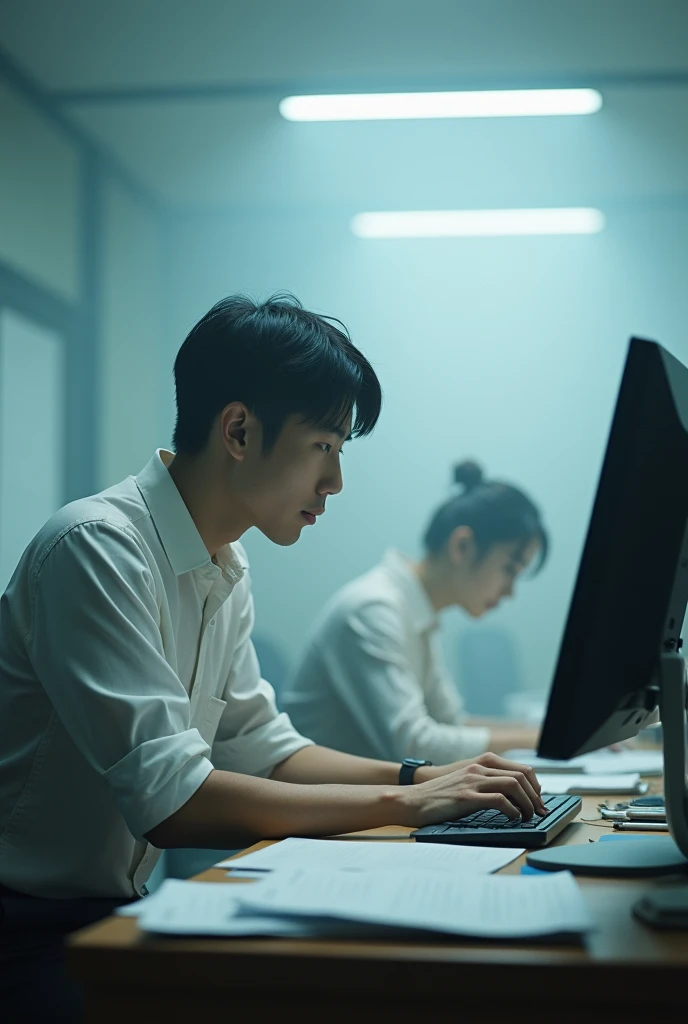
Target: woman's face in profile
488	580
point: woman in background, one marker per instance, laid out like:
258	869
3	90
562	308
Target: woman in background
372	681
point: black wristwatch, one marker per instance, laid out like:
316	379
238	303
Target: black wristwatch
408	770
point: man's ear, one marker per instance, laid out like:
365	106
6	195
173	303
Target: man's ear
236	423
461	545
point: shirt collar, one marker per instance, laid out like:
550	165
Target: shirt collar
181	540
401	572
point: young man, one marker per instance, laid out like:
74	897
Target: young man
132	712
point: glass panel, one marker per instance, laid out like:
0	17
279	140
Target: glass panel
31	433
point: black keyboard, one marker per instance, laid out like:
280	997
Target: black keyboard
492	828
495	819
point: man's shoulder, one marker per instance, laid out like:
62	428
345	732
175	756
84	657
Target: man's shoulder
95	518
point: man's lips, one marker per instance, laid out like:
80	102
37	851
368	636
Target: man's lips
311	516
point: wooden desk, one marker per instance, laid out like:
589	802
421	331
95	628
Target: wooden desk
624	970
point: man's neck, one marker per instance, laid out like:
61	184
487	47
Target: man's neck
201	488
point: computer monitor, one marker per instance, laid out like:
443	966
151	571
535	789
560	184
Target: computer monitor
619	657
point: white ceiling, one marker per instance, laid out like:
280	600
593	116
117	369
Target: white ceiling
185	92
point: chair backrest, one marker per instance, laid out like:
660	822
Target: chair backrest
488	669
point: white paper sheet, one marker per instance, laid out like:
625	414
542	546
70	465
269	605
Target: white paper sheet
505	907
600	762
584	784
211	908
207	908
331	853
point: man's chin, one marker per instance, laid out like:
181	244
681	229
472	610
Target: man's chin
284	538
287	542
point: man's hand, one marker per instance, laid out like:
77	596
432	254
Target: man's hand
230	809
448	792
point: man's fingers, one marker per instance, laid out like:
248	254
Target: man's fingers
513	791
500	763
525	784
515	766
499	782
498	802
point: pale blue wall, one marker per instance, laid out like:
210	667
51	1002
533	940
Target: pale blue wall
80	258
134	378
507	350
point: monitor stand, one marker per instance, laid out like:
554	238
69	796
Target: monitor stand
646	855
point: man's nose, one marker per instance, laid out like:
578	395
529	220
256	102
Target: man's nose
333	482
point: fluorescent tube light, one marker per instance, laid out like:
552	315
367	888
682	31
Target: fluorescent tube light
471	223
400	105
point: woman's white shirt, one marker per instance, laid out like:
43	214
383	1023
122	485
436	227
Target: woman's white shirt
373	681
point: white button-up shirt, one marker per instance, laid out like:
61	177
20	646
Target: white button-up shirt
126	674
373	680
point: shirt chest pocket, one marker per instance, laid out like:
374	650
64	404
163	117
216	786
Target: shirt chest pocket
210	718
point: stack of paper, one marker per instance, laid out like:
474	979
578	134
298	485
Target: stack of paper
481	906
600	762
327	888
204	908
334	903
582	784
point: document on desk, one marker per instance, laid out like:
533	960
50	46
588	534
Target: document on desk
480	906
601	762
181	907
581	784
365	856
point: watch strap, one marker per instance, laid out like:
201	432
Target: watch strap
408	770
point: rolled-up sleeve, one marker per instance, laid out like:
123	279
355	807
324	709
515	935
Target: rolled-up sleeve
253	737
95	645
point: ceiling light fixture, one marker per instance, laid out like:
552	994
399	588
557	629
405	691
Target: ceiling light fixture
474	223
414	105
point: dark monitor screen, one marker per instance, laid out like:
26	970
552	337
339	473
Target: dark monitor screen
630	595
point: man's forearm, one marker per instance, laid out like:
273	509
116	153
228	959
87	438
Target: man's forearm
229	809
321	764
234	810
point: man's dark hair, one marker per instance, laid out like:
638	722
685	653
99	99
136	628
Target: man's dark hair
279	360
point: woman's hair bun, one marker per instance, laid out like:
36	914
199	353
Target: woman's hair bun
468	475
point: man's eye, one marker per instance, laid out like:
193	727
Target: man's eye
324	447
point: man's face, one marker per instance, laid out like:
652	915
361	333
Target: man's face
286	489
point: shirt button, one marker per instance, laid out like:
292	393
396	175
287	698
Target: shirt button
212	622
